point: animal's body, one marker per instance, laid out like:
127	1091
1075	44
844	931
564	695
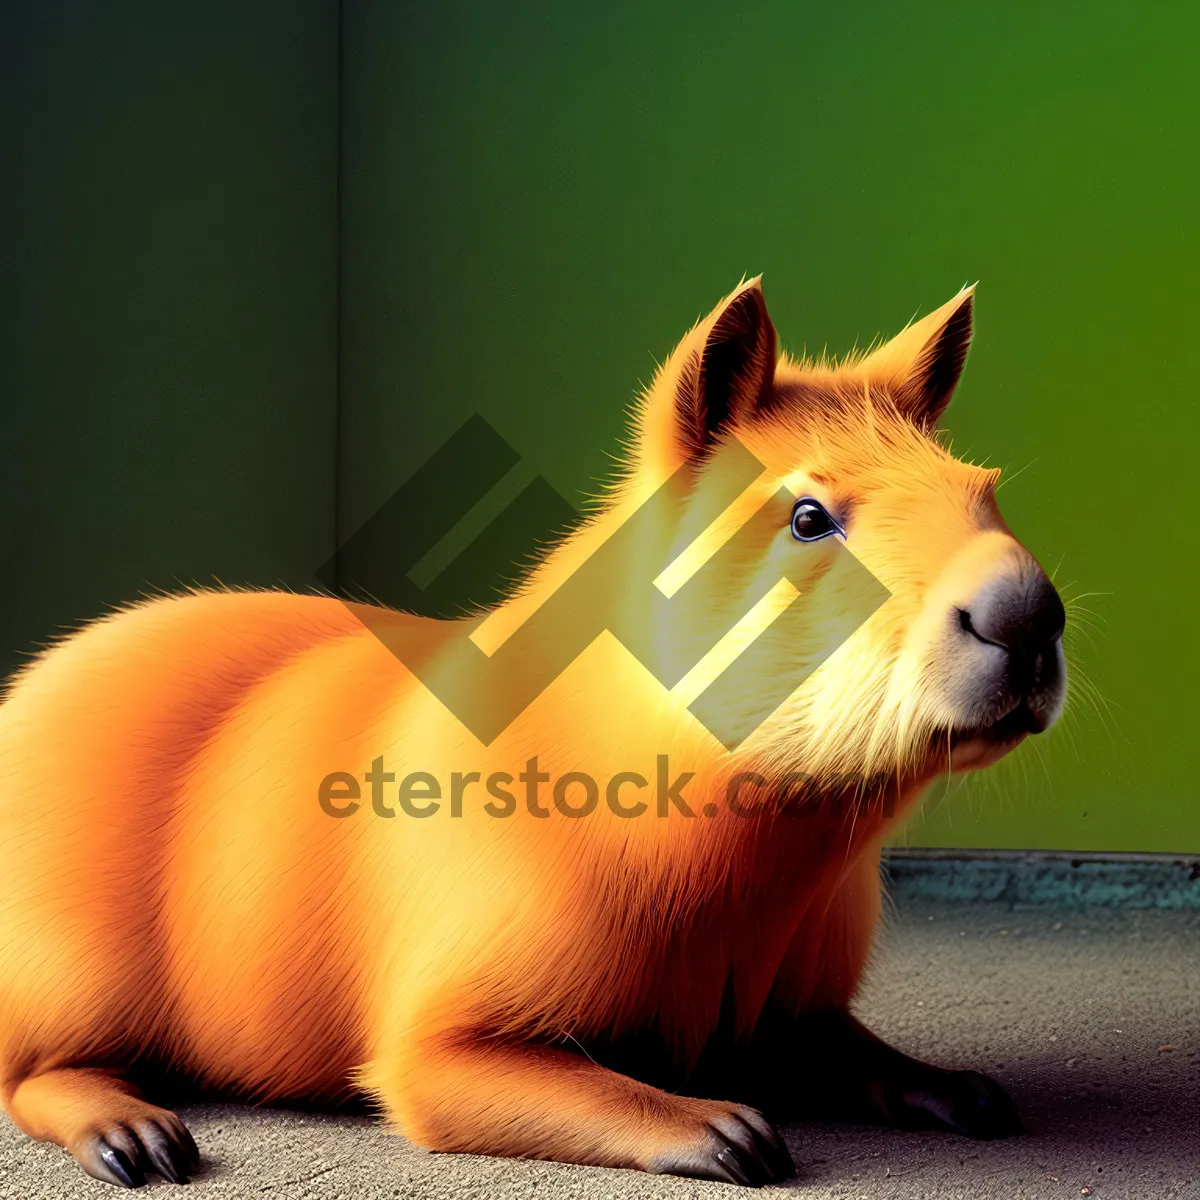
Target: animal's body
175	892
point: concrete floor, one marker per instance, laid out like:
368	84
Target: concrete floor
1091	1019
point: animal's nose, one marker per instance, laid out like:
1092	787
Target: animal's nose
1024	615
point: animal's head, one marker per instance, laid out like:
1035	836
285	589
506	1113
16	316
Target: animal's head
965	657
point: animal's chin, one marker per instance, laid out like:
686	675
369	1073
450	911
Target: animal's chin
977	746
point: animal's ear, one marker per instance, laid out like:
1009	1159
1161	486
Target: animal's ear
728	365
920	367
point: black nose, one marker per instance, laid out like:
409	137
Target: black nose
1023	615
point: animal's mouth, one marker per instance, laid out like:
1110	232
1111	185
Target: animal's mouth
975	746
1012	727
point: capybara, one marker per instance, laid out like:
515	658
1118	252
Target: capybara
248	845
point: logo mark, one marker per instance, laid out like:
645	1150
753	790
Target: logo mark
614	589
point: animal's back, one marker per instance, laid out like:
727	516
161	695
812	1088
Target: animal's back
165	886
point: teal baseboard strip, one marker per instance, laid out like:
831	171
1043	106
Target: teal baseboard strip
1039	877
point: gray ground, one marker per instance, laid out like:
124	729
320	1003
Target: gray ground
1092	1020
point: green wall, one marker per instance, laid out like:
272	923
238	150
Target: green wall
167	300
540	198
537	200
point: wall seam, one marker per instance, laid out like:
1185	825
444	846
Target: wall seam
339	291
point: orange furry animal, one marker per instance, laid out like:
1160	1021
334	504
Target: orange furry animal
177	904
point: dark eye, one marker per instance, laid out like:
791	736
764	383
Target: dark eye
810	521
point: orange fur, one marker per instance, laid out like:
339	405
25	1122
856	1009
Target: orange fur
173	890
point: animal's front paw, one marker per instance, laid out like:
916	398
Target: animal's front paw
732	1143
123	1153
966	1101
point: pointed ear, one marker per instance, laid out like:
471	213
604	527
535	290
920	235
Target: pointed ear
728	365
920	367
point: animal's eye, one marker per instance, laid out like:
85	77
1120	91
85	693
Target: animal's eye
810	521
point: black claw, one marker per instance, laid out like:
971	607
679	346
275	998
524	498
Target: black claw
123	1154
779	1161
739	1139
739	1146
771	1146
729	1159
166	1157
185	1140
744	1149
757	1147
126	1172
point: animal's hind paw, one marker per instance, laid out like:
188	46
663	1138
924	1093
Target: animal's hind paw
968	1102
737	1145
123	1154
